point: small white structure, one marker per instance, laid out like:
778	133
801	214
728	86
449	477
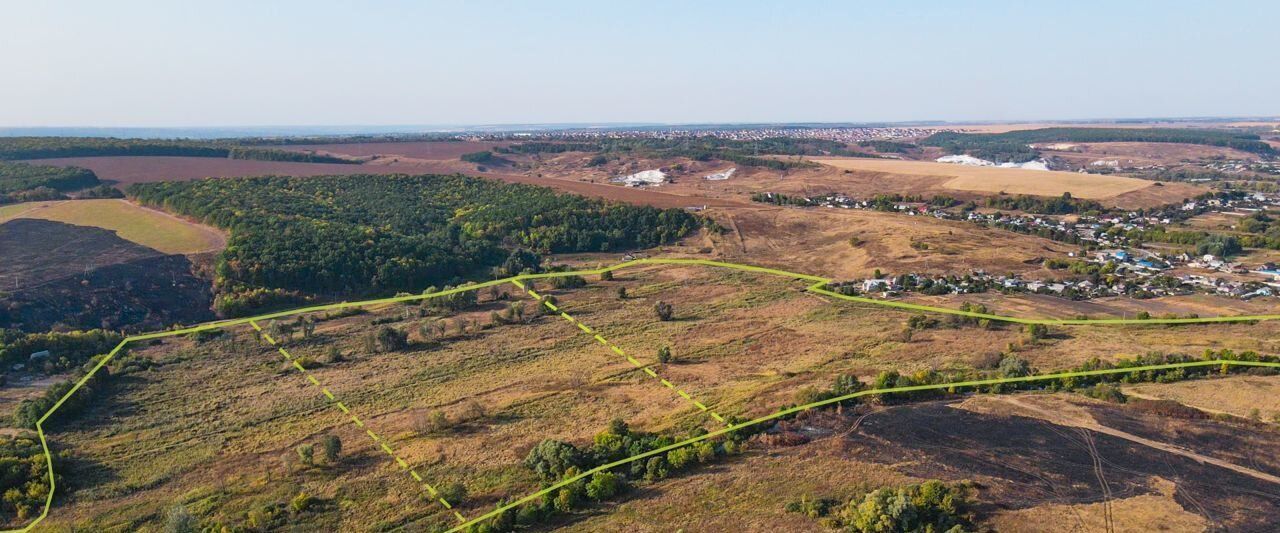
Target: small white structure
720	176
969	160
872	285
644	177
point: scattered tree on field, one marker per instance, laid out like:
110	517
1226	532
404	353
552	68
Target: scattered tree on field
332	448
307	454
179	520
664	310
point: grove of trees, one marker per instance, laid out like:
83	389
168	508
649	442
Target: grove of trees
20	182
360	234
1012	146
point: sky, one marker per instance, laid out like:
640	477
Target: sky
231	63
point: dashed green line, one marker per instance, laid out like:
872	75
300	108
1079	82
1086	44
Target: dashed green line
379	440
600	338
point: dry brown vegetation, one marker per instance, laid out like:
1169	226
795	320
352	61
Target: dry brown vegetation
846	244
995	180
1242	396
215	422
1139	154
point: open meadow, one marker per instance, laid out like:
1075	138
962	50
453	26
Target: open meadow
147	227
995	180
236	427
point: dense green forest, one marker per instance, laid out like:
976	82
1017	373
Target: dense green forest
51	147
23	182
883	146
338	235
1012	146
263	154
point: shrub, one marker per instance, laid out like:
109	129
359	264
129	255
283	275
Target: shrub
1012	366
568	282
301	502
656	468
453	492
664	310
552	458
604	485
178	520
681	457
307	454
433	422
389	339
664	355
332	448
1036	332
1106	392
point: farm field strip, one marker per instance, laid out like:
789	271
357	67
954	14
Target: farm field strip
615	349
816	287
355	419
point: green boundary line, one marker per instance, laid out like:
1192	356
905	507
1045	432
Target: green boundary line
805	407
818	287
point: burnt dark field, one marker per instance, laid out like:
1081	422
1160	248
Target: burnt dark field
62	276
1019	462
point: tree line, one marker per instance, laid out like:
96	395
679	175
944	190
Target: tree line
52	147
67	349
360	234
1060	205
21	182
1012	146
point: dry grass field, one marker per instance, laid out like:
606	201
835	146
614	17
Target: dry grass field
1236	395
1138	154
214	422
154	229
995	180
846	244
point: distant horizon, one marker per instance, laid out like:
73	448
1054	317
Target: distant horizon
288	130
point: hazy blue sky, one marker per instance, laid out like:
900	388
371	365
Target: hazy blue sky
176	63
